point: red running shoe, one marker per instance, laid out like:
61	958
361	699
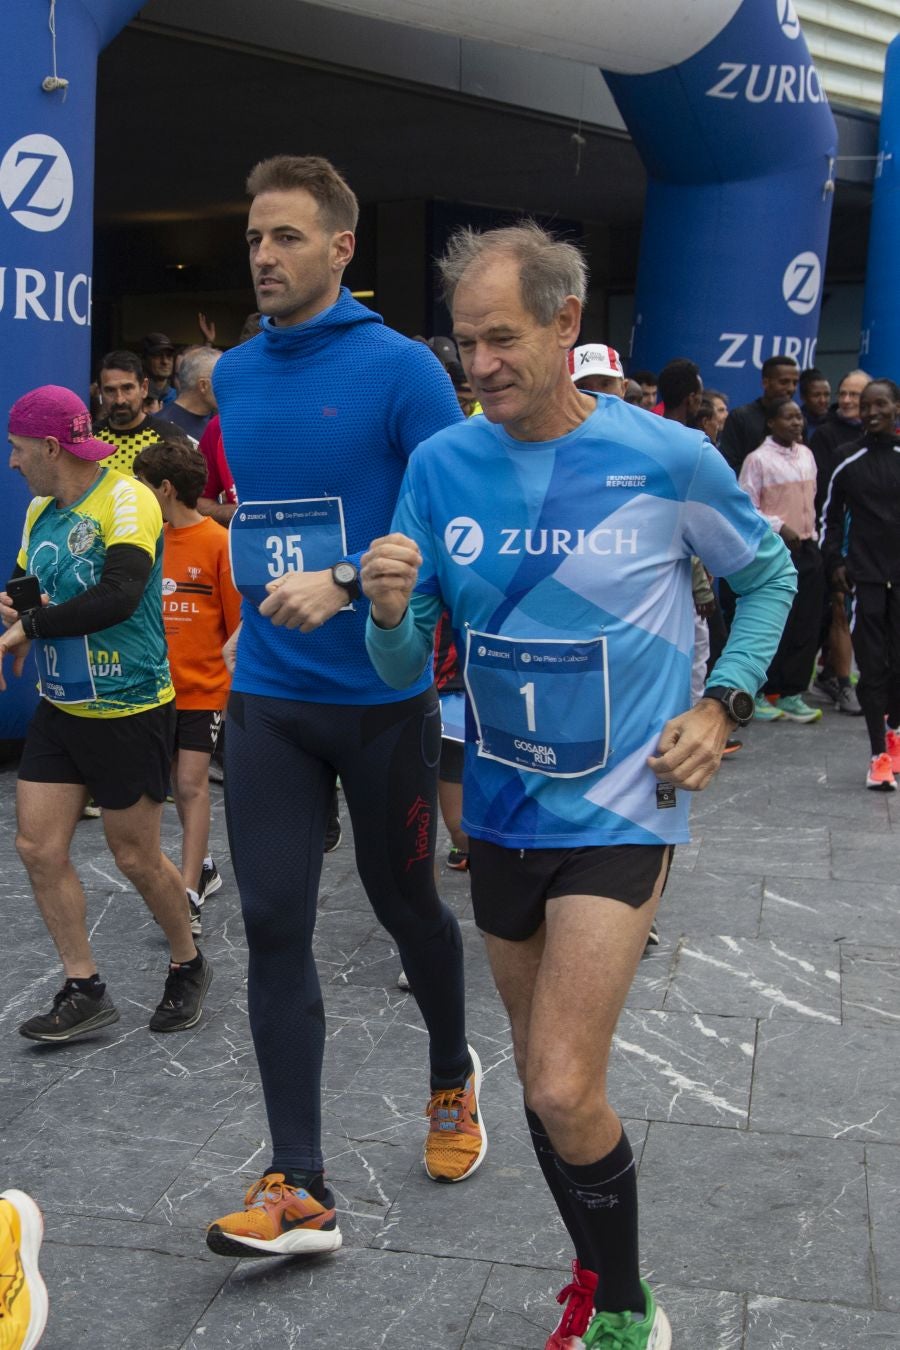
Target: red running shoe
578	1312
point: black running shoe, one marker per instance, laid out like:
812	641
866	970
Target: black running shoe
182	1000
458	859
73	1014
210	881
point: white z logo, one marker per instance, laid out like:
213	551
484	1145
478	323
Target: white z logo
36	183
464	540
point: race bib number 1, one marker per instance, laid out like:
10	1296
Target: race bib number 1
268	539
540	704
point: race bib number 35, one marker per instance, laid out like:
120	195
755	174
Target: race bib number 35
268	539
540	704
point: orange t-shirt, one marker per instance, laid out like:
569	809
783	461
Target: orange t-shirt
201	608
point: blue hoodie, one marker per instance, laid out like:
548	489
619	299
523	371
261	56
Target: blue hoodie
332	407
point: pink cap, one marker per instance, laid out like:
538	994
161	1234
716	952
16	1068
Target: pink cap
52	410
594	359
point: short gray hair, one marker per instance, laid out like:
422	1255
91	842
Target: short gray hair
197	364
549	269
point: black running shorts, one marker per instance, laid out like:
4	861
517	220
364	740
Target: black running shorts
511	886
452	757
118	759
197	729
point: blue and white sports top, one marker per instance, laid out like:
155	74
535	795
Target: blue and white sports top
566	568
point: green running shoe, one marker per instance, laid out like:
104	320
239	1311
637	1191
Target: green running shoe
623	1331
764	711
792	707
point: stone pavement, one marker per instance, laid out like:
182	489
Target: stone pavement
755	1065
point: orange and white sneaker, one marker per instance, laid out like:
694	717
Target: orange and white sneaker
892	748
881	774
457	1140
277	1220
578	1312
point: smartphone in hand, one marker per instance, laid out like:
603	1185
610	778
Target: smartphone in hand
25	593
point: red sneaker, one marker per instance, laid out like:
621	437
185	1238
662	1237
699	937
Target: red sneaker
578	1312
881	774
892	747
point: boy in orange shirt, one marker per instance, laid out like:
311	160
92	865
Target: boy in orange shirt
201	609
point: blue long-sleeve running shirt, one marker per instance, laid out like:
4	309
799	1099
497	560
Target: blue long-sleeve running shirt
325	413
566	568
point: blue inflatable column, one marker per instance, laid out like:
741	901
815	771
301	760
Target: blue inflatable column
737	141
880	347
46	226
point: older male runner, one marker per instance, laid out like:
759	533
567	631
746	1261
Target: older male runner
558	529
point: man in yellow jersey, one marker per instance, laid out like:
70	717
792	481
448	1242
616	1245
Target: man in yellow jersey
92	615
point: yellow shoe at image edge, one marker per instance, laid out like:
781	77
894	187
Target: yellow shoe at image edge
23	1294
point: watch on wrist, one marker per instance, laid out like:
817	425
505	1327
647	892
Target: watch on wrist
737	702
26	619
346	575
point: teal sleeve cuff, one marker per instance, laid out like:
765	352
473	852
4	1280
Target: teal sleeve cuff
765	591
400	654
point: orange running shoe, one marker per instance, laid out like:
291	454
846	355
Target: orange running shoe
457	1141
578	1312
892	746
277	1220
881	774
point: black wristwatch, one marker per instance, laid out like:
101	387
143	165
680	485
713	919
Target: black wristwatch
346	575
737	702
26	619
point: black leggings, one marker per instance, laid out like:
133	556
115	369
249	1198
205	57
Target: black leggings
282	758
875	630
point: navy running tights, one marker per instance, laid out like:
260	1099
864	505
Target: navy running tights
281	760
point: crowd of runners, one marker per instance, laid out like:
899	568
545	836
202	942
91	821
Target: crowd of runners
494	568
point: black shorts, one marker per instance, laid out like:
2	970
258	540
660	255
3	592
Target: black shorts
453	754
511	886
118	759
197	729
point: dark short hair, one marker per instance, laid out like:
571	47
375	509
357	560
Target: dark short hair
812	375
643	376
890	384
773	362
772	413
122	360
677	381
334	197
174	457
716	393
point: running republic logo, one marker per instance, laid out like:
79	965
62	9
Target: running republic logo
464	541
418	819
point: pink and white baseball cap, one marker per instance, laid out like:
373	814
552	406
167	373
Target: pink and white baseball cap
52	410
595	359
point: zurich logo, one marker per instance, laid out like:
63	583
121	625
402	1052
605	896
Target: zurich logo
464	540
802	283
787	18
36	183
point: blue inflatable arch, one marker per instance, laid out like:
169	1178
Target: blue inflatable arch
720	97
880	346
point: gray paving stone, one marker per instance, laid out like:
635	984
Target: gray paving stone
883	1173
682	1066
786	850
749	977
828	1081
830	911
696	903
773	1323
870	979
764	1213
359	1299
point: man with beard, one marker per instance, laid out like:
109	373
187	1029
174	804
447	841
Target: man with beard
123	388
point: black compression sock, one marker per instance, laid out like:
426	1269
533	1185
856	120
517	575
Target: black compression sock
569	1212
312	1182
441	1084
605	1194
92	985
